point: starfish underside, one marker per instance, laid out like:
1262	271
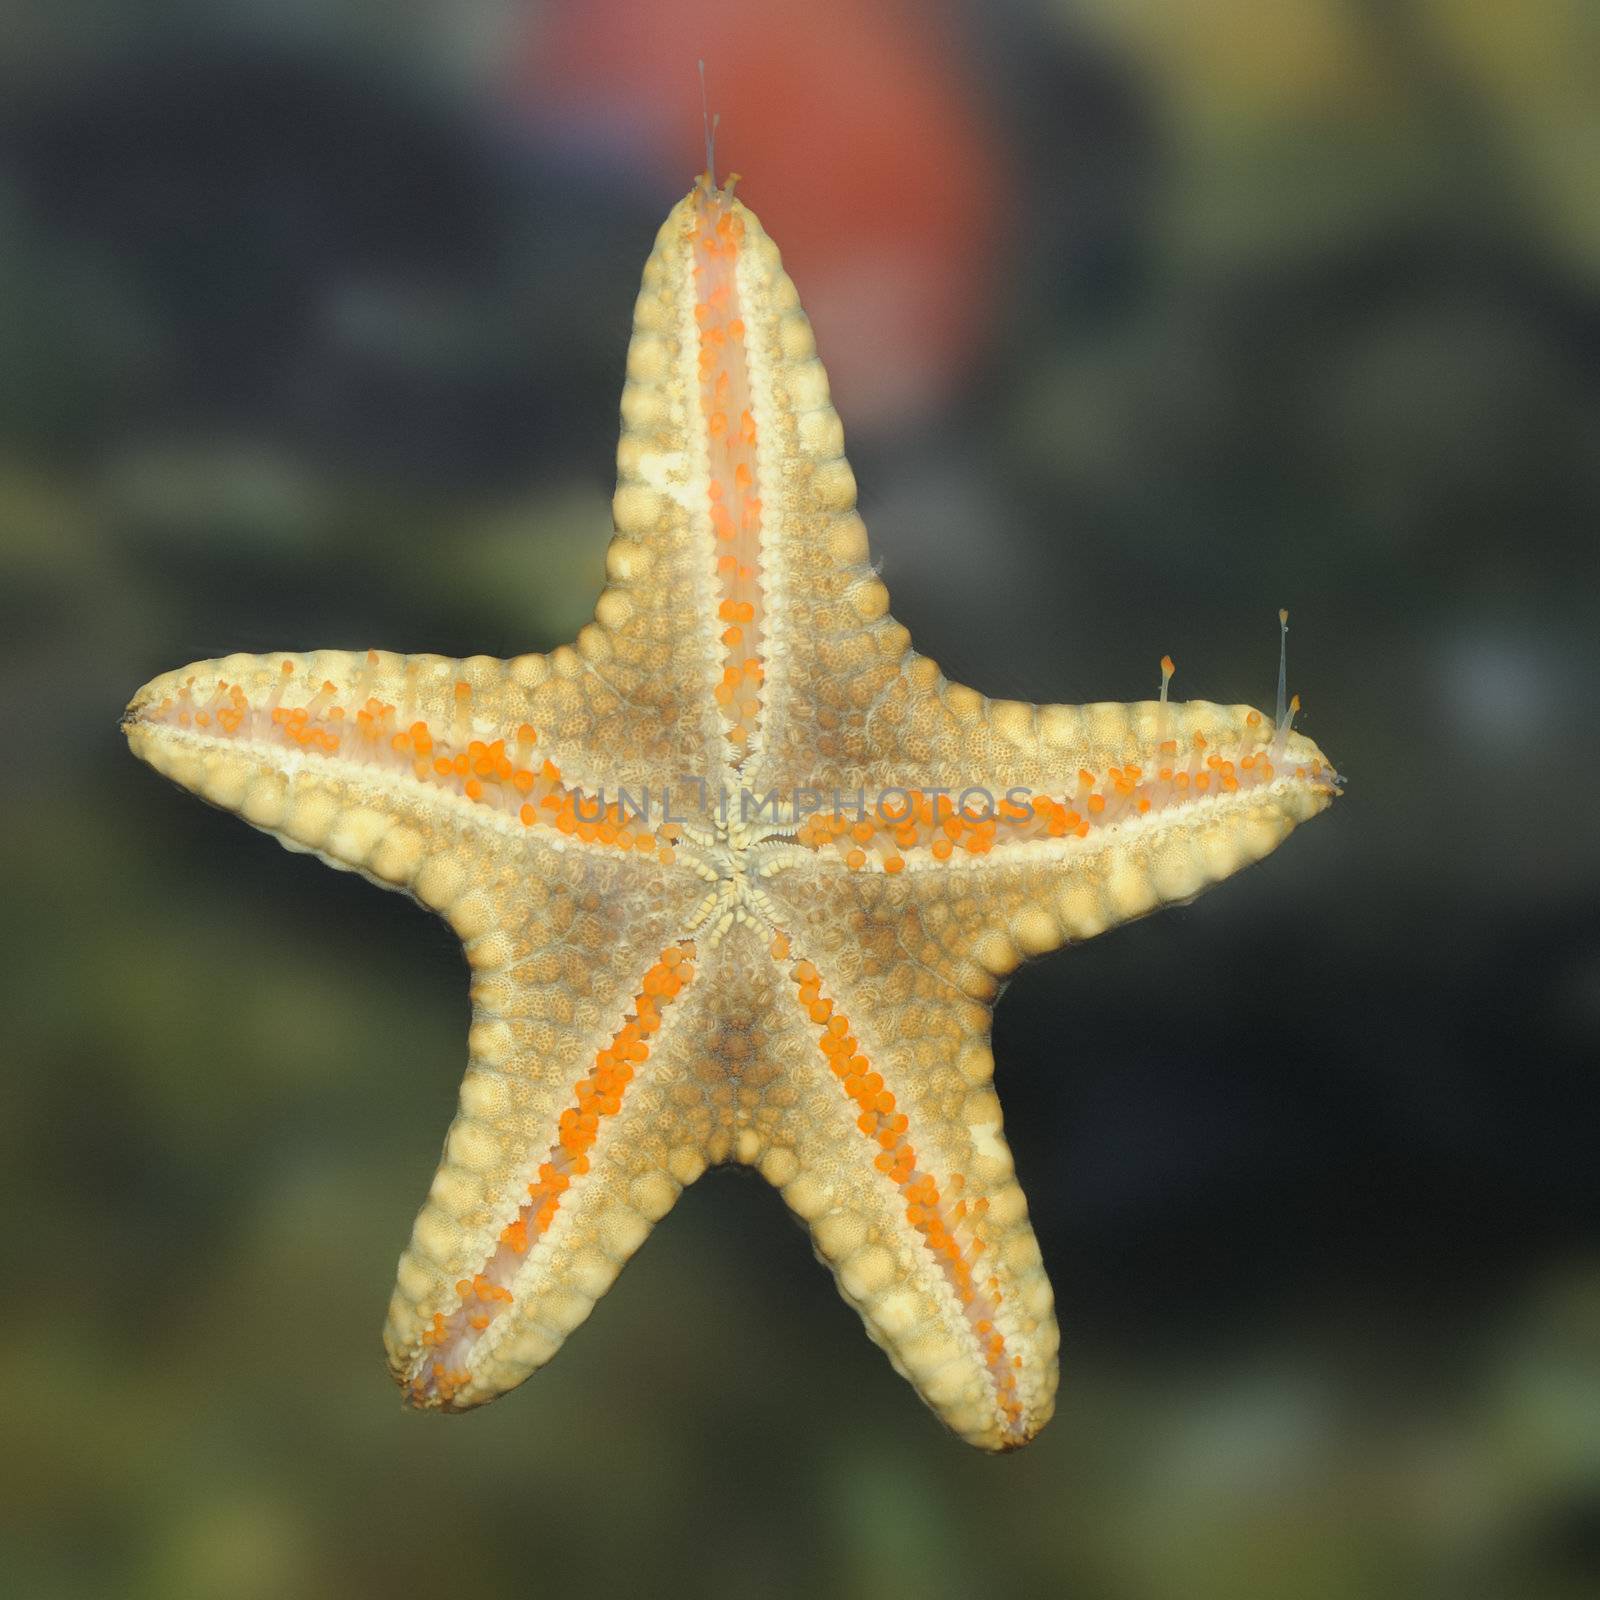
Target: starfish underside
801	978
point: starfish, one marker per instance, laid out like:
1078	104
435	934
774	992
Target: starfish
738	874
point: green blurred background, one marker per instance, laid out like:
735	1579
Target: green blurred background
1144	320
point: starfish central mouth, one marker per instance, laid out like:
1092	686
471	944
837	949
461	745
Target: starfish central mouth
734	896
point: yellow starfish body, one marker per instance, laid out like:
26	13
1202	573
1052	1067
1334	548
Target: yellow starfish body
738	874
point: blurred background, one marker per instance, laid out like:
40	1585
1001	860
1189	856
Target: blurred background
1144	319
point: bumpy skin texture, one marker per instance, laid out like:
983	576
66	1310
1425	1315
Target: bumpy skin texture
807	991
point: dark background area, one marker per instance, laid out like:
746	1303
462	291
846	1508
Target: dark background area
1143	321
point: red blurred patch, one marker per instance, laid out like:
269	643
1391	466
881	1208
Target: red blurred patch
863	148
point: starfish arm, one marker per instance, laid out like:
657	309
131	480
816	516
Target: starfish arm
896	1158
534	742
737	537
1057	822
562	1156
1155	806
